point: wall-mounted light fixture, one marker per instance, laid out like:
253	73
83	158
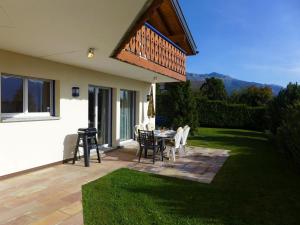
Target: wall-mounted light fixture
91	53
75	91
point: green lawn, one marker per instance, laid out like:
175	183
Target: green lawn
255	186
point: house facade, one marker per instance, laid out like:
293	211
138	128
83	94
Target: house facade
73	64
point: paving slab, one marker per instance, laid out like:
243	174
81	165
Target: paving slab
196	163
53	195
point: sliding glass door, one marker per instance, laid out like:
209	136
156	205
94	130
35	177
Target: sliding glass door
100	113
127	113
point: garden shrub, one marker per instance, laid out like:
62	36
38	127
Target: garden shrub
278	106
288	134
223	114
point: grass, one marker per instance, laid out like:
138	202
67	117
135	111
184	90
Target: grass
255	186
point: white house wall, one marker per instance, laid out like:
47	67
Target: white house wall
25	145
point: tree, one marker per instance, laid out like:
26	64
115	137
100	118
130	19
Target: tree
278	106
252	96
213	89
178	105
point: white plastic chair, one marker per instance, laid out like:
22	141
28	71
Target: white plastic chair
185	135
176	144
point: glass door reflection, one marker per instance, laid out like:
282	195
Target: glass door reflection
127	114
100	113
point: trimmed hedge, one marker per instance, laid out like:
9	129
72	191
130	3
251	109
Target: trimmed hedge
288	134
223	114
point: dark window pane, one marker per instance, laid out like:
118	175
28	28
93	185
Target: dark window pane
11	94
38	96
127	112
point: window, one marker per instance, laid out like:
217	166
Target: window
38	96
21	96
127	114
11	94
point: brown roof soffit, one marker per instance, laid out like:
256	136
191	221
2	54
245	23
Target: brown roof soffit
184	25
148	9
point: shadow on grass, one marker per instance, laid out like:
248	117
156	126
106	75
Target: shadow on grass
184	200
253	187
229	142
140	198
244	133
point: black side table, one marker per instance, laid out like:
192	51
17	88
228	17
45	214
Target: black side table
87	139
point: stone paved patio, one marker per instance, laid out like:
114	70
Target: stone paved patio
197	164
53	195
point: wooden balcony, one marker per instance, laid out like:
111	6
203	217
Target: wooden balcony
150	49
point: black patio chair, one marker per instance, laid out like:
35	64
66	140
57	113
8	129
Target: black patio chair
147	142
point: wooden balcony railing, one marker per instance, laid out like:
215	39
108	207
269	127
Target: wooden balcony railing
151	50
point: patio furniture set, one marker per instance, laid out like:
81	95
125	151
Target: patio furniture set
163	142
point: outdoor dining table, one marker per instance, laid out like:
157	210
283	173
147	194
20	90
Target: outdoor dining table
160	137
163	135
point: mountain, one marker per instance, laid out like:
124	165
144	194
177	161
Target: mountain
231	84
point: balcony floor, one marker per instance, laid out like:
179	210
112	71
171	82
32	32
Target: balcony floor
53	195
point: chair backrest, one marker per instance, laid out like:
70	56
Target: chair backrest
186	126
136	130
150	126
178	137
185	134
150	142
142	137
146	138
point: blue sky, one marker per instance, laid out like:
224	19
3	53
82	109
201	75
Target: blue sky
253	40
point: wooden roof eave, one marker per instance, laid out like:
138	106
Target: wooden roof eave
185	27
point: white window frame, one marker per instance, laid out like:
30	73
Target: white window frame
26	113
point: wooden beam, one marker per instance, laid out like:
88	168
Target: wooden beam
162	22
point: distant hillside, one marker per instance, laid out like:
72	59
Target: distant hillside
231	84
